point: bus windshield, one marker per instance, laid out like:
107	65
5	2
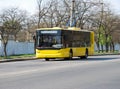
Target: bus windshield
48	41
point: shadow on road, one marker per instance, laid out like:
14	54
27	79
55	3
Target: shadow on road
88	59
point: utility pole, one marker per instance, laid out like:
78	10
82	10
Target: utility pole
72	17
101	10
100	25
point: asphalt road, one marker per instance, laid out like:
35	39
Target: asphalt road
97	72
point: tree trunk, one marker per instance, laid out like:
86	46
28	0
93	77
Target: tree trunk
107	47
107	43
5	51
98	46
102	48
113	46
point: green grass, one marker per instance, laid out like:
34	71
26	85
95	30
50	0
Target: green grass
104	52
18	56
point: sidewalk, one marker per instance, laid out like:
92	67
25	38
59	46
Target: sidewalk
17	59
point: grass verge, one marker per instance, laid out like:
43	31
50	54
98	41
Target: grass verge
18	56
104	52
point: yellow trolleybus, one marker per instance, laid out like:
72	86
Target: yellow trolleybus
57	42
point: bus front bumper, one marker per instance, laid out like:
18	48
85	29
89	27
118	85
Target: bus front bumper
58	55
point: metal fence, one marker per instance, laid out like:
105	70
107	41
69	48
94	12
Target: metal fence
16	48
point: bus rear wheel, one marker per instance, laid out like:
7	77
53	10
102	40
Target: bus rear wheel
47	59
70	55
86	55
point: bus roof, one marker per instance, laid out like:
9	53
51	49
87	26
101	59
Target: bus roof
70	28
54	28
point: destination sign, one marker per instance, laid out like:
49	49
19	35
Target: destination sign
48	32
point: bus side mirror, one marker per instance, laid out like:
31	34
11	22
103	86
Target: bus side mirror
34	37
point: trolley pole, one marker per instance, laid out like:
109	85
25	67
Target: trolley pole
72	13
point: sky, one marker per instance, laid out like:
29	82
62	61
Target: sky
115	5
31	5
28	5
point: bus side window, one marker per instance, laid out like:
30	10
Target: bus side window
64	41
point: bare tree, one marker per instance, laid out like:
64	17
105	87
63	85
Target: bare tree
11	23
82	12
56	13
109	26
42	10
104	21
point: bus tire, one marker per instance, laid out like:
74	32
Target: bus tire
46	59
70	55
86	55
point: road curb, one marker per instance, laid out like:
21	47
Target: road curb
34	58
105	54
17	59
